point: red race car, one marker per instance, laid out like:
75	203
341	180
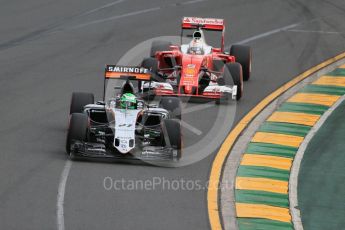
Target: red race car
197	69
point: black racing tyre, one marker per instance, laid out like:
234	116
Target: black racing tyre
150	63
243	55
159	46
77	130
173	128
173	105
235	69
79	100
218	65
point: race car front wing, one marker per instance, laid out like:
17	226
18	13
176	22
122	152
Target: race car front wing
89	150
210	92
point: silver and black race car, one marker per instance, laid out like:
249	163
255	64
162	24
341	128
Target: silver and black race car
124	126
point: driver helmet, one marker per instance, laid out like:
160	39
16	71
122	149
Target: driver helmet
195	47
128	101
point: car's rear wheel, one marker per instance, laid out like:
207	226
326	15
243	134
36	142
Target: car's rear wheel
159	46
79	100
77	130
243	55
234	74
173	128
173	105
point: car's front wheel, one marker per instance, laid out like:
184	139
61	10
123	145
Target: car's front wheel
79	100
77	130
234	74
173	130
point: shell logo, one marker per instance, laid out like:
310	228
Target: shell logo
190	70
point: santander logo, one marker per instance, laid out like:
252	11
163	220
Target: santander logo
209	21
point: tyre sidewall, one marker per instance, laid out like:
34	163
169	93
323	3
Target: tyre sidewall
173	128
243	55
79	100
77	129
235	70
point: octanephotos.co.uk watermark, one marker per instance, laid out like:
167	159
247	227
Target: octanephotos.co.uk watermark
156	183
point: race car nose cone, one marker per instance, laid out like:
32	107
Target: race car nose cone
188	89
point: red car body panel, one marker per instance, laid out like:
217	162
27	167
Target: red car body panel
192	64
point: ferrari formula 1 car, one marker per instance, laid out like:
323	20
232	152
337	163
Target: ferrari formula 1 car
197	69
123	125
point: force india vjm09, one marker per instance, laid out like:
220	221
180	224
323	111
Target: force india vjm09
124	126
198	69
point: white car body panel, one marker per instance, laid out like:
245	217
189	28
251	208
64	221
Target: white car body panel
161	85
222	89
125	122
206	48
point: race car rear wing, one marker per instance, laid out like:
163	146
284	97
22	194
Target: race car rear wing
128	72
213	24
204	23
125	72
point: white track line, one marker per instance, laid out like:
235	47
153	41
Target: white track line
293	181
191	128
116	17
61	196
124	15
266	34
193	2
269	33
102	7
315	31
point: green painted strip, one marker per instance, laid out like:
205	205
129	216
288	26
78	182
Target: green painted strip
321	187
331	90
271	149
337	73
262	224
263	172
303	108
261	197
285	128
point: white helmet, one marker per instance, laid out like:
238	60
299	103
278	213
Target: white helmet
195	47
